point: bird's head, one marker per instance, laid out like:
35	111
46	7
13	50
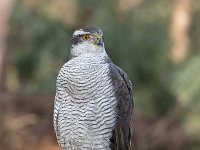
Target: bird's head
87	40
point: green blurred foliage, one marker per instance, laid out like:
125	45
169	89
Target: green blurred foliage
138	41
186	86
134	41
38	49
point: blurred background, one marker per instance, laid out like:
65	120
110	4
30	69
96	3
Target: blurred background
157	43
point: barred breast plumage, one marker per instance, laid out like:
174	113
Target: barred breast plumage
93	102
87	111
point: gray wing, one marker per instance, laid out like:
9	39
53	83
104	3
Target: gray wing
121	139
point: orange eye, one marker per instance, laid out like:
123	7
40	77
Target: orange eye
85	37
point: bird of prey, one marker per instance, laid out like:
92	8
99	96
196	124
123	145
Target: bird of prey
94	100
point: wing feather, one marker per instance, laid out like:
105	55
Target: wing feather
123	89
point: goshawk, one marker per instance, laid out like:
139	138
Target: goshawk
94	99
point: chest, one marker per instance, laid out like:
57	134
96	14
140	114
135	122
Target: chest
86	81
89	109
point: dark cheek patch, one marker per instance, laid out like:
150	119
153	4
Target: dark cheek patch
75	40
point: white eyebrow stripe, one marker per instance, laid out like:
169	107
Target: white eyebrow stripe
80	32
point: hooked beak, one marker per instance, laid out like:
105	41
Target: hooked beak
97	40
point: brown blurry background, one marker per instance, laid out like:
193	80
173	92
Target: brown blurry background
157	42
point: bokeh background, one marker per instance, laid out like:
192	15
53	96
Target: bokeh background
157	42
